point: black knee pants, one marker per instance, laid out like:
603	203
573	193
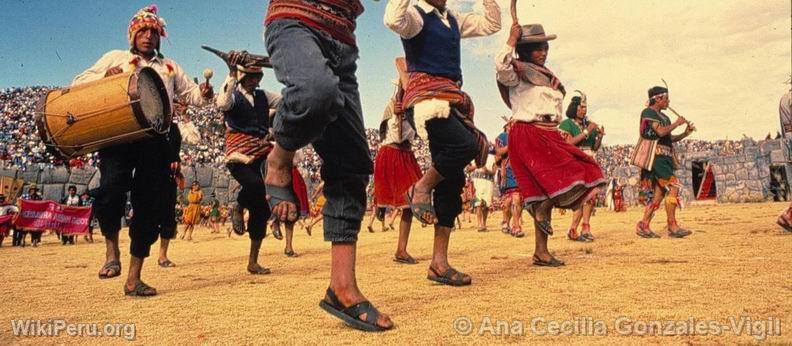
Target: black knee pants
252	196
143	169
452	147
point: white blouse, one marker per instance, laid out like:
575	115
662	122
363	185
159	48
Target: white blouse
529	102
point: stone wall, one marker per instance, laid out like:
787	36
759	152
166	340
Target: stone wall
53	182
740	178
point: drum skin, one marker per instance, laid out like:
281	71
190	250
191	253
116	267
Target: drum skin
84	118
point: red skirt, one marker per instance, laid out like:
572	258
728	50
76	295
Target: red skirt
301	190
546	166
395	171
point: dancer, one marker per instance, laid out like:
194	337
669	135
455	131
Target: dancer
510	192
579	131
130	167
441	113
484	183
656	126
246	113
192	215
396	168
549	171
785	114
313	51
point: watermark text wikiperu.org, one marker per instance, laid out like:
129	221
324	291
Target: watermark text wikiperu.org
59	327
758	328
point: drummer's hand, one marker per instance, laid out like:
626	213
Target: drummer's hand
113	71
206	90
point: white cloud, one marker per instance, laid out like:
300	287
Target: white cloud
725	61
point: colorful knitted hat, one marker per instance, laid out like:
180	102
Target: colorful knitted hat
146	17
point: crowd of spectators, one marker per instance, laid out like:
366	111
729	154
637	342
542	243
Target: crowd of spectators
21	147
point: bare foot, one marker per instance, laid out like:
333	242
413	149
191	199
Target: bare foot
256	269
424	197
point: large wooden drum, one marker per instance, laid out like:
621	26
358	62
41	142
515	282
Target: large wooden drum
118	109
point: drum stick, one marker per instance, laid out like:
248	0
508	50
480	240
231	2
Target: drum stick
207	73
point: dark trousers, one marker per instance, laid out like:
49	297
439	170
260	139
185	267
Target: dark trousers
452	147
16	239
252	196
321	106
65	238
142	168
34	236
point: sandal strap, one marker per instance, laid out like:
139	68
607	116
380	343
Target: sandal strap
363	307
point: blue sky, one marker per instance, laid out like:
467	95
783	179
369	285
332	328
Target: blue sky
726	62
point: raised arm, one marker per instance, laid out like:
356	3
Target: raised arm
504	71
403	19
475	25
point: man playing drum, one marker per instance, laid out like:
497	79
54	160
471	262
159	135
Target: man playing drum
147	158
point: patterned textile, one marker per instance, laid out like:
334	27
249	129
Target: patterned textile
424	87
335	17
244	148
146	17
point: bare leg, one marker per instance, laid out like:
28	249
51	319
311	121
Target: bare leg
133	277
587	210
423	190
659	194
253	265
289	237
671	210
543	213
577	215
394	214
440	253
112	252
163	253
344	283
516	211
371	220
507	214
404	234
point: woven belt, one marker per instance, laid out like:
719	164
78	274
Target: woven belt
664	150
482	176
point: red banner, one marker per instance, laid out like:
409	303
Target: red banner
48	215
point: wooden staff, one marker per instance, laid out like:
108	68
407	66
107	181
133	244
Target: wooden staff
687	122
514	11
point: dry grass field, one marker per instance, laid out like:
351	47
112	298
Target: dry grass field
737	263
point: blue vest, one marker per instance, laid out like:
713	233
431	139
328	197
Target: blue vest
436	49
253	120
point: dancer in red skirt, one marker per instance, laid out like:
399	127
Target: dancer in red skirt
549	171
396	169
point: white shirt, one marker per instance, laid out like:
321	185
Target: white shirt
72	200
405	20
392	133
529	102
225	100
177	83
